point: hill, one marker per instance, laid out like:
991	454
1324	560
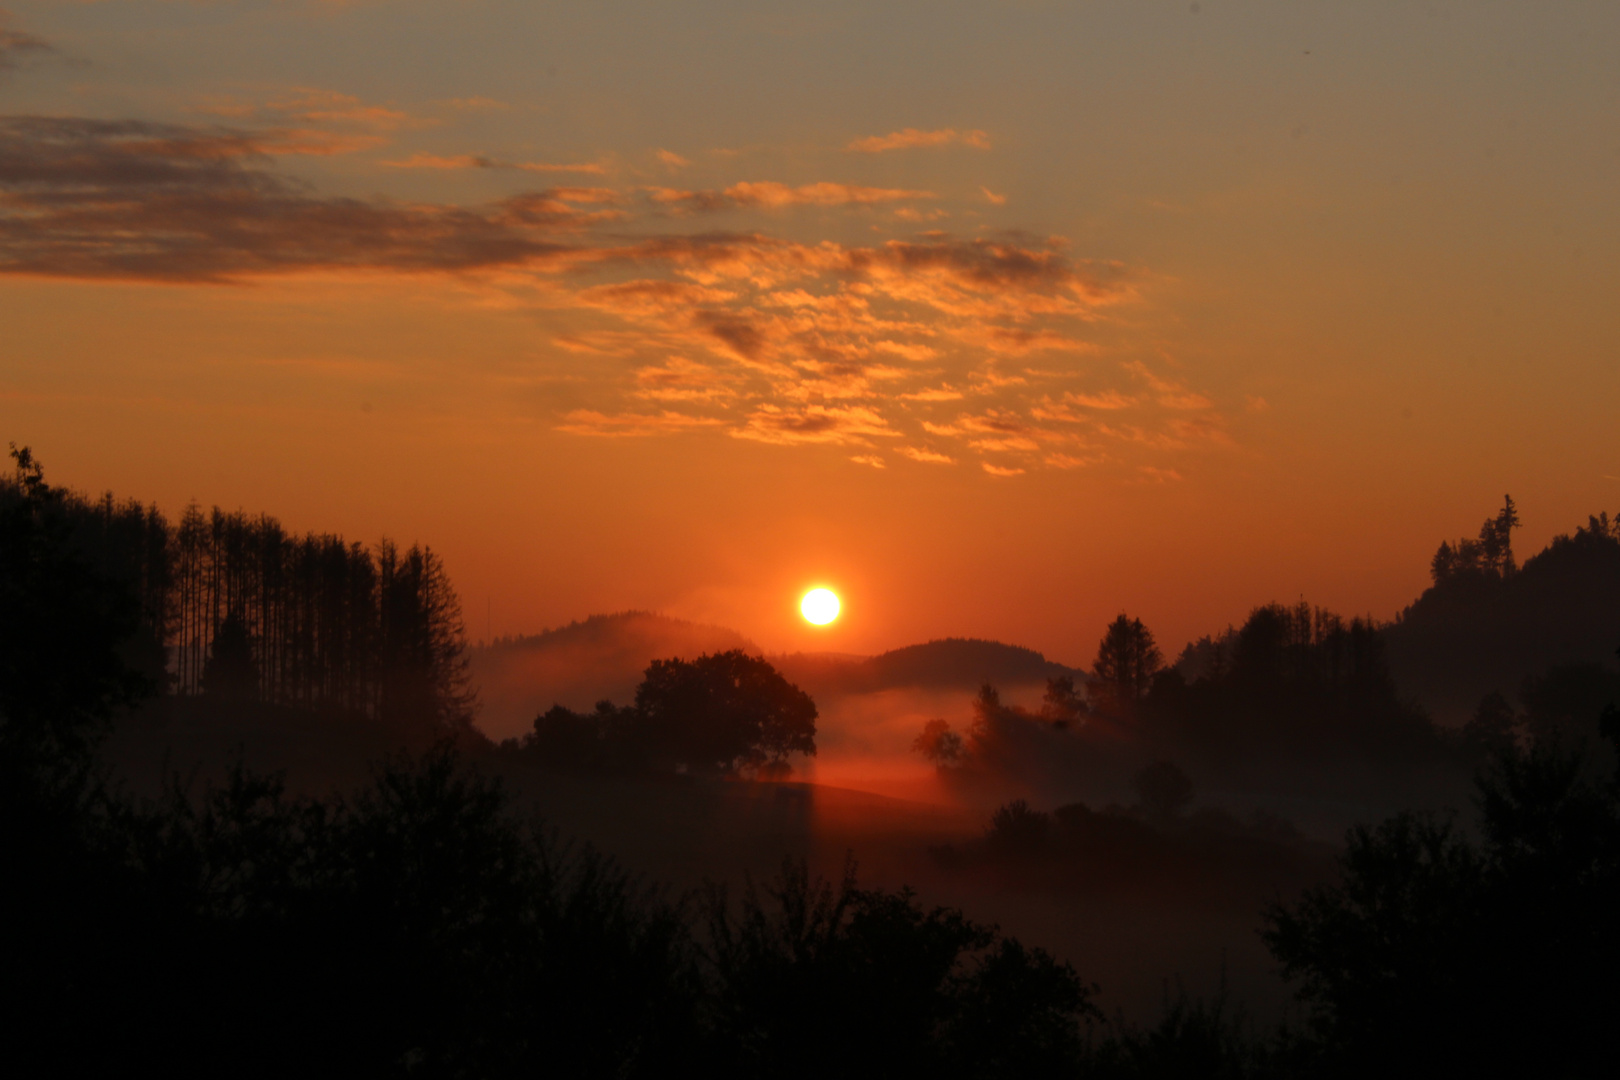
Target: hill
1471	634
582	663
944	664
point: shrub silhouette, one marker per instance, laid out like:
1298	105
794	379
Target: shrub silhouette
1015	827
813	979
1493	957
1164	789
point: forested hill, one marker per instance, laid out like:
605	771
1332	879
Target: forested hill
962	663
602	657
1486	626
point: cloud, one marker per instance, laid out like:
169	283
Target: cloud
477	104
1064	408
632	425
771	195
1152	474
912	138
1172	395
1107	399
992	198
479	161
933	457
1069	461
672	159
839	425
1019	341
680	379
17	46
774	340
869	459
307	105
132	200
1000	470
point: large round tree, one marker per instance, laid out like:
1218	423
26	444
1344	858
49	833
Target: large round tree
724	712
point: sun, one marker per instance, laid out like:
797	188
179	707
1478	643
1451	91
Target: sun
820	606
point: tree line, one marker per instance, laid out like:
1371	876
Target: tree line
722	714
234	605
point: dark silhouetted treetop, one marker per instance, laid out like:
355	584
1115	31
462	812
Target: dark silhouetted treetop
1295	680
817	980
938	744
1491	556
1062	704
62	625
1015	827
1476	632
1127	659
328	625
230	673
1164	790
724	712
1490	958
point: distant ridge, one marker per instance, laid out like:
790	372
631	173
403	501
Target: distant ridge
946	663
582	663
604	656
613	626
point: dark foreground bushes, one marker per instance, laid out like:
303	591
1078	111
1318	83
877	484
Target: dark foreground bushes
420	927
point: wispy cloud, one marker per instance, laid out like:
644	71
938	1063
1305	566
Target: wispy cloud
672	159
479	161
932	457
16	46
913	138
307	105
758	336
772	195
680	379
143	201
850	425
632	425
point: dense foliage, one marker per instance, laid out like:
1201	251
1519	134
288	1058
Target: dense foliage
1493	956
232	603
724	713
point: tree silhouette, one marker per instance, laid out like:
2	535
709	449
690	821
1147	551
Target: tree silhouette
230	673
1490	556
1127	659
724	712
1494	958
61	628
1016	828
813	980
1165	791
938	744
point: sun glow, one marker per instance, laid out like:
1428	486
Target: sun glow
820	606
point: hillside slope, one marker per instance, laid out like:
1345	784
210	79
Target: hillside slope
1468	636
944	664
582	663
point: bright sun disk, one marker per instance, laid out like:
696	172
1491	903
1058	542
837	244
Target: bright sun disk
820	606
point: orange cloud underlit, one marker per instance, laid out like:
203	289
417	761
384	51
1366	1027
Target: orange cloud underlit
912	138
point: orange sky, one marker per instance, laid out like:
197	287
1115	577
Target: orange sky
999	318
